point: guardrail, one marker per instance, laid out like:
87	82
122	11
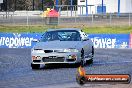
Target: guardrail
73	15
24	40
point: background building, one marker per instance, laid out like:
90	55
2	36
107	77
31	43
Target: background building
109	6
84	7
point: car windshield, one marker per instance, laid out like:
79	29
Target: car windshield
61	35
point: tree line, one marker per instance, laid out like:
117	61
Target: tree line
13	5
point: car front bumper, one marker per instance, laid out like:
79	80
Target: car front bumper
56	58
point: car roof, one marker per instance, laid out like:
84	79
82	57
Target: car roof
59	29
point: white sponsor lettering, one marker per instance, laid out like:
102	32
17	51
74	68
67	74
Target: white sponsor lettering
12	42
124	45
7	41
27	41
103	42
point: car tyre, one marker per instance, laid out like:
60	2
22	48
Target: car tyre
82	63
35	66
92	53
91	60
81	80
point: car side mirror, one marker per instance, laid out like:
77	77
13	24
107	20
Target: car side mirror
35	40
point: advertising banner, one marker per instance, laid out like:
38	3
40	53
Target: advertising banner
16	40
110	40
130	40
24	40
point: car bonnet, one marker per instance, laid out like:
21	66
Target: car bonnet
57	45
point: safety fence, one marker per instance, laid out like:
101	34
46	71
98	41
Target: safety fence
66	18
25	40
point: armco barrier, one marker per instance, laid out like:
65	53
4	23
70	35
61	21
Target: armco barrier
24	40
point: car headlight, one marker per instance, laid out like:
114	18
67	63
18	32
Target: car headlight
70	50
37	51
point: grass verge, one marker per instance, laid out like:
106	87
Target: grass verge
93	30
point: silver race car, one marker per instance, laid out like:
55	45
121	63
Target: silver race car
66	46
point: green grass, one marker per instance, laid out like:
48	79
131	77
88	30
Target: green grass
110	30
93	30
20	29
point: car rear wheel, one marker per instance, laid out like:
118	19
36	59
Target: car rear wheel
91	60
35	66
92	53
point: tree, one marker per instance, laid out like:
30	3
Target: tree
28	4
12	5
23	5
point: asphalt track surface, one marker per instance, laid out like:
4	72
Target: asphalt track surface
15	70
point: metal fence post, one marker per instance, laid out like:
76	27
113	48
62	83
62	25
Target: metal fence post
129	19
73	11
92	16
58	20
67	10
71	8
6	15
76	10
42	21
13	18
75	15
59	16
110	19
27	18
